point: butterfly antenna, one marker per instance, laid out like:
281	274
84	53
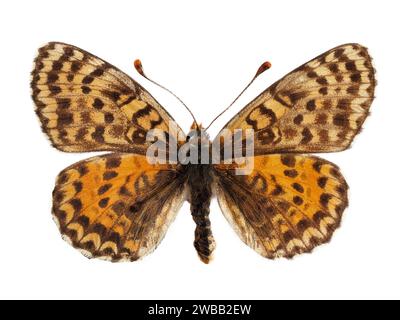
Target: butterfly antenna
139	69
265	66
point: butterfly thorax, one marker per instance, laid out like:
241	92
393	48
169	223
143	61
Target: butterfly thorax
198	146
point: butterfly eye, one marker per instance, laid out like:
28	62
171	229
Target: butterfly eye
191	135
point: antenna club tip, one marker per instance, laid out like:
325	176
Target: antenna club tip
138	66
265	66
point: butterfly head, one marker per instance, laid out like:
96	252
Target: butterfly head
198	139
197	134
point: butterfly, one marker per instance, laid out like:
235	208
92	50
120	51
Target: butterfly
118	206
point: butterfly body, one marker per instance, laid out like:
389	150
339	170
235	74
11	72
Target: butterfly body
118	206
198	173
199	180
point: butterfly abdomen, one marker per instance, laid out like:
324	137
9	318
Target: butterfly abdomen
199	181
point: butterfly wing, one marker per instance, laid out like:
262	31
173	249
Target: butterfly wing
318	107
288	205
86	104
291	203
118	206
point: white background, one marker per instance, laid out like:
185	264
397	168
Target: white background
206	52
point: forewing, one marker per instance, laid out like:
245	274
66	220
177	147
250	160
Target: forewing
86	104
117	206
318	107
288	205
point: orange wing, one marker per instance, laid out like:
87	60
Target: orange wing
118	206
288	205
